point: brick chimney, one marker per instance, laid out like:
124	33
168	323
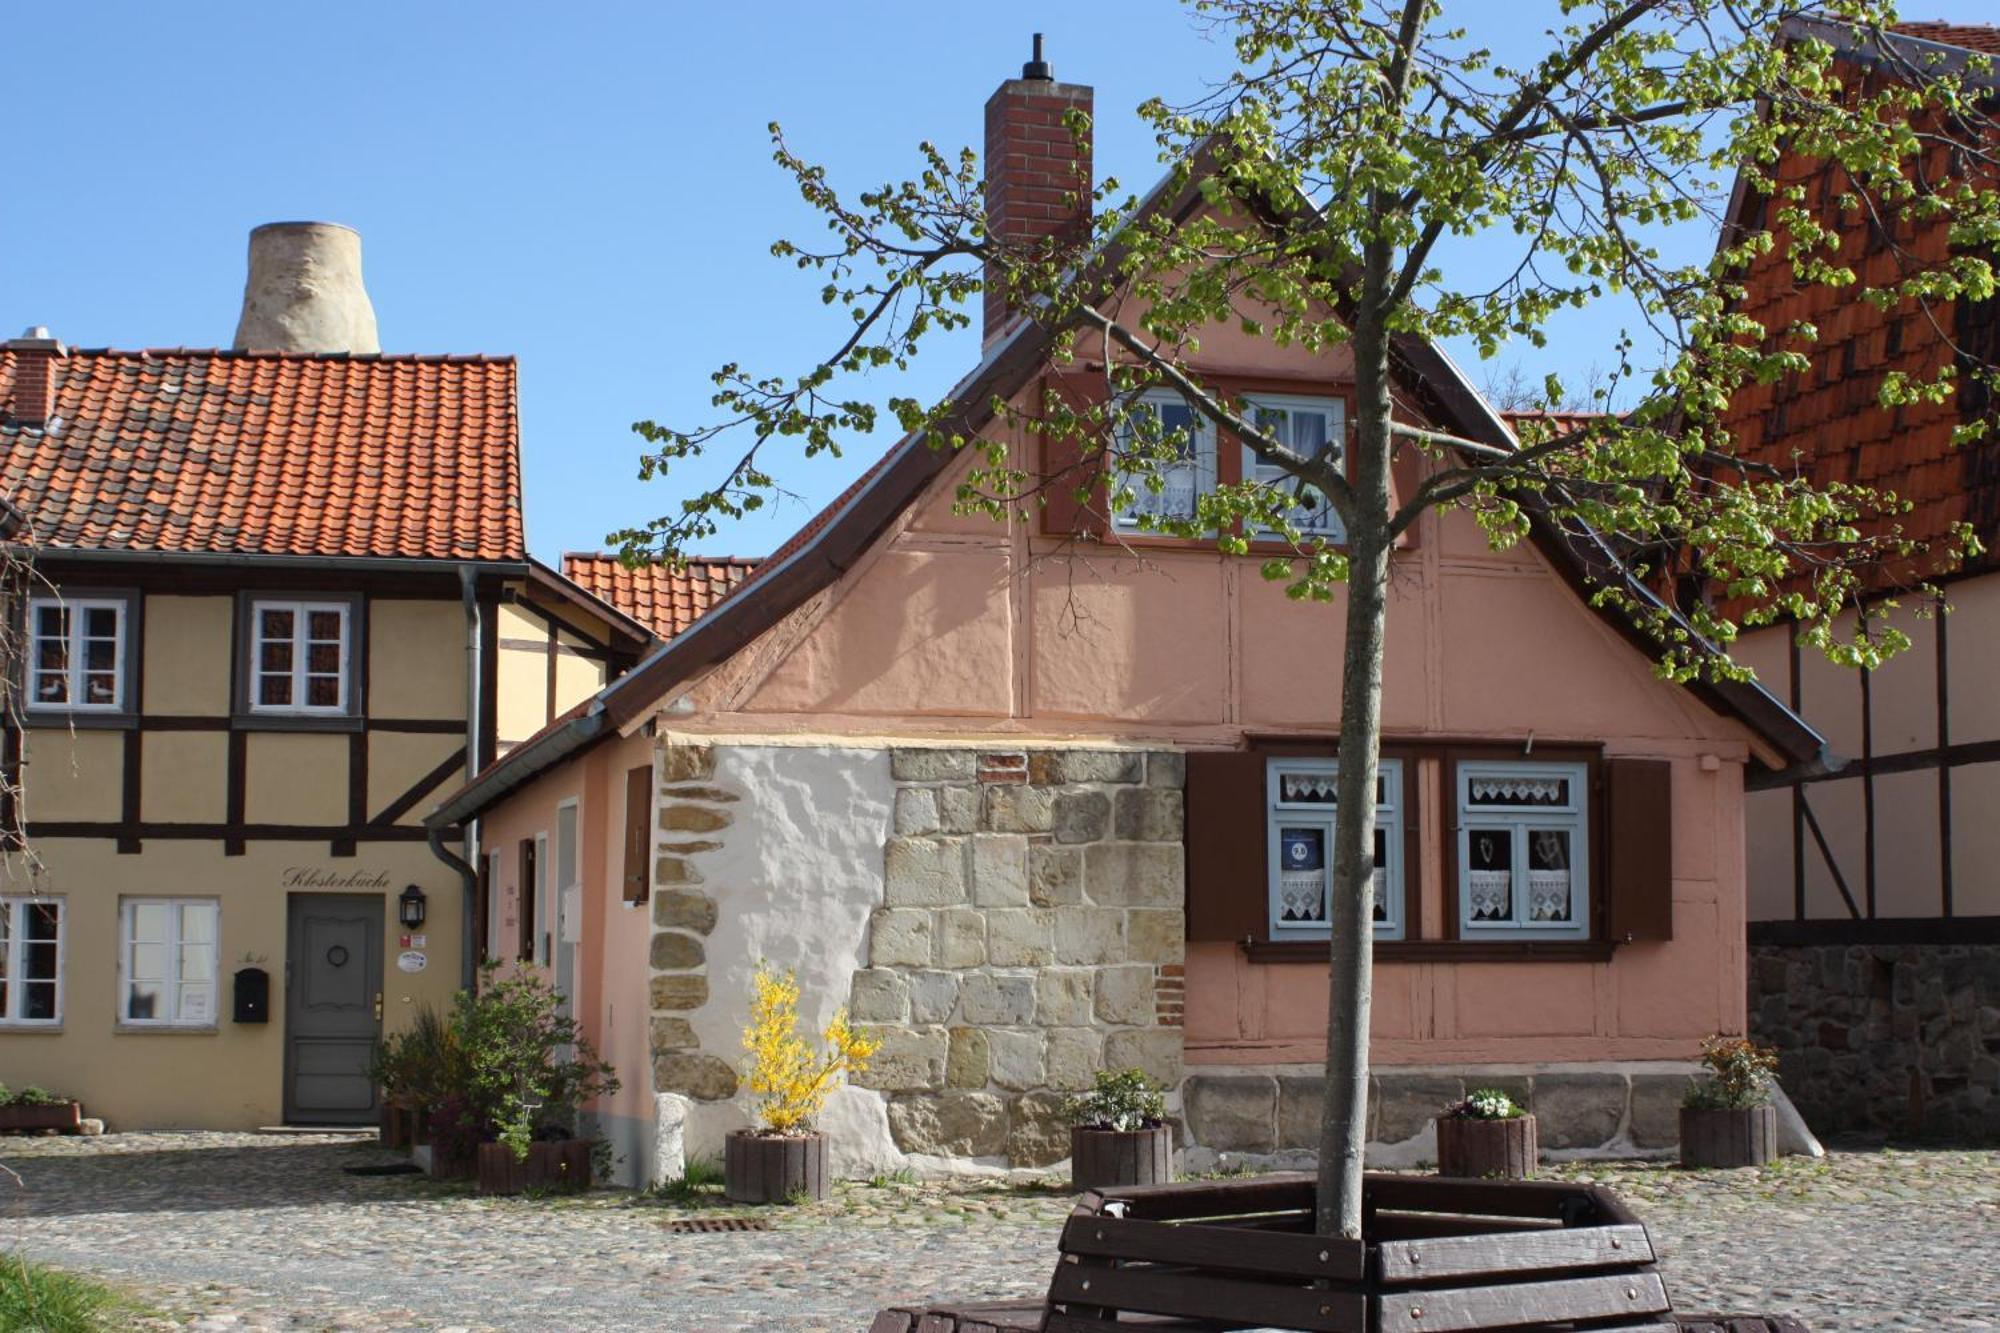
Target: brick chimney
1033	168
32	399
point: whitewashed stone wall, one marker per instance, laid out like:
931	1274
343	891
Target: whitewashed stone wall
1007	923
1030	933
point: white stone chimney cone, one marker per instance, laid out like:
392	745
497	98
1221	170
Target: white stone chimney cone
304	292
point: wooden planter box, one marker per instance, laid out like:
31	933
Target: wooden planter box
1487	1149
65	1117
1102	1157
562	1165
1748	1137
773	1168
399	1125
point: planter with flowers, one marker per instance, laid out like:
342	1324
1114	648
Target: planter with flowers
1727	1118
1489	1135
1119	1133
35	1110
783	1159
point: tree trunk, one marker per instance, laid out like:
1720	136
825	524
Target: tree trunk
1344	1126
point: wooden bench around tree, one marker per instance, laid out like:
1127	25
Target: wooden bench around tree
1439	1255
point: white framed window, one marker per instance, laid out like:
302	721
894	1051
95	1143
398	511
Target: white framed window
1302	798
167	962
1309	426
76	654
1523	849
299	656
31	961
1182	479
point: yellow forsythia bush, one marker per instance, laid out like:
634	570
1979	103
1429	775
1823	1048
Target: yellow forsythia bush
790	1079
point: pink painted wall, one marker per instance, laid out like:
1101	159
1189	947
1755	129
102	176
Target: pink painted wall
611	986
954	626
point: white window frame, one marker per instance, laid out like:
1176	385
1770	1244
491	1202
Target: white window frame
1326	523
13	957
1573	817
1281	814
301	612
127	909
495	923
544	902
74	658
1127	521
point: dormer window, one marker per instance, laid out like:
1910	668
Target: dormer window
1312	428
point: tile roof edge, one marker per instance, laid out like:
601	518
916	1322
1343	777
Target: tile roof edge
265	354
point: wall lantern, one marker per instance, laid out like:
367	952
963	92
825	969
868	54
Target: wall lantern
410	907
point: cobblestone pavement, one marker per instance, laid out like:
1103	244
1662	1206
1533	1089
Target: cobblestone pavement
245	1232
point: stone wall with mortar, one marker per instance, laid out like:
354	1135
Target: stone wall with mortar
1269	1118
1030	934
1898	1039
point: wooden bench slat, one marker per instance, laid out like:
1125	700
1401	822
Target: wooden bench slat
1281	1192
1199	1296
1524	1303
1494	1198
1278	1253
1472	1256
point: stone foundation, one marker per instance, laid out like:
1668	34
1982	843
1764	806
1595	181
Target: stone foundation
1030	934
1899	1039
1269	1118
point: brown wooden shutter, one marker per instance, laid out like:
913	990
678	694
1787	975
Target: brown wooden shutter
482	907
526	944
638	825
1227	888
1639	850
1064	469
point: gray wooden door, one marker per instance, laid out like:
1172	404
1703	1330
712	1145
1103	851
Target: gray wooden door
333	1007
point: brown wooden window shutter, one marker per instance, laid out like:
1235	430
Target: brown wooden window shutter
482	908
1063	467
1639	855
1228	891
638	828
527	941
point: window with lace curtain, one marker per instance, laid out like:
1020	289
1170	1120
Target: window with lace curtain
1302	798
1180	477
1523	850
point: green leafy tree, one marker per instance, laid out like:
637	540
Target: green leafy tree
1347	165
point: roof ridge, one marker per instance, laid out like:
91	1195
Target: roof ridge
690	558
263	354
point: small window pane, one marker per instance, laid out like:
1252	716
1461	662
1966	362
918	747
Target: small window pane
51	687
1519	791
100	654
52	655
142	1001
198	922
1380	879
1490	876
1302	875
1549	875
100	688
38	1002
52	622
197	1003
324	657
324	626
101	622
275	657
150	921
1307	788
274	690
275	623
149	961
323	691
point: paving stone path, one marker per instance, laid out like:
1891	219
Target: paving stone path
246	1232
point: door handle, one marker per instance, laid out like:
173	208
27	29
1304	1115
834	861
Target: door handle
378	1006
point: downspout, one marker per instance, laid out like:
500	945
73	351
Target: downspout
468	953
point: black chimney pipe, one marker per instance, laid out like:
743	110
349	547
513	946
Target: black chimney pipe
1038	68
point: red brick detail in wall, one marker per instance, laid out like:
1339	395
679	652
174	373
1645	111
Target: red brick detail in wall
1038	174
1003	767
1170	995
1828	420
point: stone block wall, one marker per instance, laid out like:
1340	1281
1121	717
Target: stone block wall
1271	1117
1031	933
1894	1039
694	816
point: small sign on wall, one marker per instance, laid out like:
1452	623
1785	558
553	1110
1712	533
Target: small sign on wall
412	960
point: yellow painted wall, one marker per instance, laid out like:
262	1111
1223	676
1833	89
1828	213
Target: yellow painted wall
416	659
188	648
184	777
296	778
72	776
397	761
230	1076
577	678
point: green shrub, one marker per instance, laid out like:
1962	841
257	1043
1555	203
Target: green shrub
34	1299
1123	1099
1740	1074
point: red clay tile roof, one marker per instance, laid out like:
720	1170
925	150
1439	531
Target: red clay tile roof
262	453
1972	36
1559	423
666	600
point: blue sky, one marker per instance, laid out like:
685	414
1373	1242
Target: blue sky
585	187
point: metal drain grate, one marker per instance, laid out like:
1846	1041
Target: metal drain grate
708	1224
